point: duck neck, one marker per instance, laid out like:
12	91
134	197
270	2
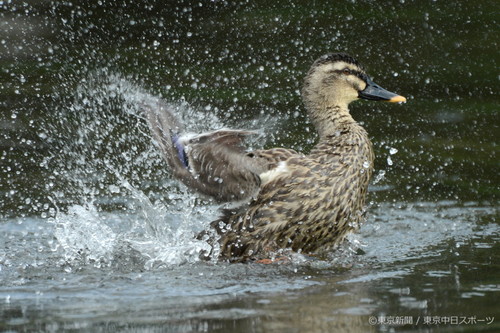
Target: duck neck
329	120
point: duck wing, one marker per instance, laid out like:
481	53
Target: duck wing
215	163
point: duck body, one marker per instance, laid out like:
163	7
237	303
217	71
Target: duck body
308	205
303	203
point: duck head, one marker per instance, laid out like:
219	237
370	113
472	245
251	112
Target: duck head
337	79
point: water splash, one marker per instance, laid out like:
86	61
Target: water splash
104	161
84	236
115	199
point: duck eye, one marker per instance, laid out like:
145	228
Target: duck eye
346	71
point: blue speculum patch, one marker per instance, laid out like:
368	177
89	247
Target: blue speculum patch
181	153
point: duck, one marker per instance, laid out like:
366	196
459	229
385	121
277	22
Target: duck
288	201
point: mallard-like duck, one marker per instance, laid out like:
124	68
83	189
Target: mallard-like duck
303	203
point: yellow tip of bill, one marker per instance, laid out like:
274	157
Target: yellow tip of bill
397	99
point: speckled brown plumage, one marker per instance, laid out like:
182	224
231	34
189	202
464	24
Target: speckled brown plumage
304	203
309	208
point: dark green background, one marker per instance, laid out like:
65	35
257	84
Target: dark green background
248	59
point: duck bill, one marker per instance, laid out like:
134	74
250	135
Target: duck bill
374	92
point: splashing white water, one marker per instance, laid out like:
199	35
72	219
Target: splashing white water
160	235
118	198
83	235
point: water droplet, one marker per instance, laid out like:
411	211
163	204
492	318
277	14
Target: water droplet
114	189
